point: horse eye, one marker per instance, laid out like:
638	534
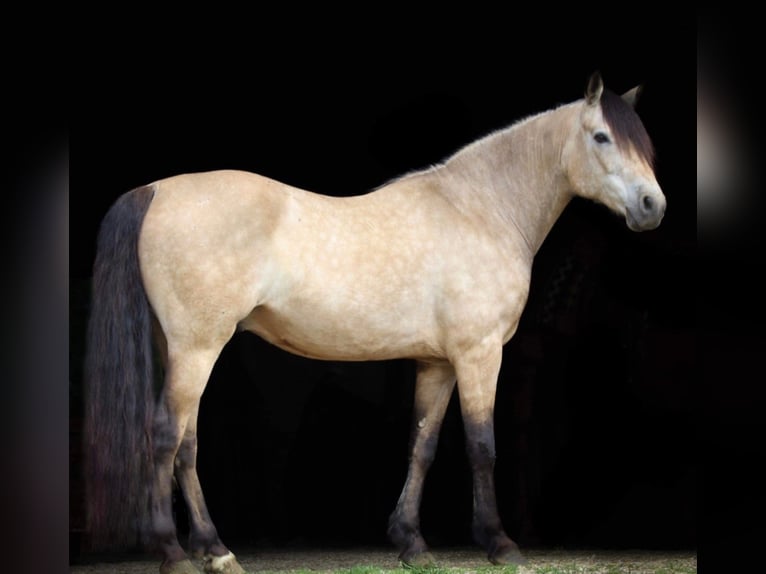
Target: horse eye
601	137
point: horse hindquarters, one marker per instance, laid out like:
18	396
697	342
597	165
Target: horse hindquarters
132	445
190	342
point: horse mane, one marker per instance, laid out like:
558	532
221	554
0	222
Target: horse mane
626	126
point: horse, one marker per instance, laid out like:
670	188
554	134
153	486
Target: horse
434	266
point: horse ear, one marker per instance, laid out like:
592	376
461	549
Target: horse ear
595	89
631	96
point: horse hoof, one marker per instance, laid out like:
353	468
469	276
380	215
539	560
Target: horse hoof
506	554
417	559
180	567
226	564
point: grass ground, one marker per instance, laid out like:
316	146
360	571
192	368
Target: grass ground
451	561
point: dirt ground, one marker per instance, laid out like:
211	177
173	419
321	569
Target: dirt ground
463	560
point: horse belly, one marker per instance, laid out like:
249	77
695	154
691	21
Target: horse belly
319	334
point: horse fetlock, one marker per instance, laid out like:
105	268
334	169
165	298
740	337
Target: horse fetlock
202	546
401	532
502	550
413	550
417	558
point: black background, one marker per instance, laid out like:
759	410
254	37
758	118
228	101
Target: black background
603	395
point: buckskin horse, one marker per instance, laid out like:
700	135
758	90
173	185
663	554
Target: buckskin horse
434	266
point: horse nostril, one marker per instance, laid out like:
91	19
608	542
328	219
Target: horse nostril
647	203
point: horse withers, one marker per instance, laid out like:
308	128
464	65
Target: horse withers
434	266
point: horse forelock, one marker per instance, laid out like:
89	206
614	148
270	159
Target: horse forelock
627	128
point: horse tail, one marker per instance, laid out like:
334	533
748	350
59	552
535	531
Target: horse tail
119	385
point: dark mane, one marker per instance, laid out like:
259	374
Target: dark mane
626	126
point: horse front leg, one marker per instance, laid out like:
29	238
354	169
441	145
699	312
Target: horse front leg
477	372
433	389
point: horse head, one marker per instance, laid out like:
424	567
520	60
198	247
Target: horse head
609	157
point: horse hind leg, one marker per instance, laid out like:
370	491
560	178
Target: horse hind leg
433	389
167	431
175	447
204	541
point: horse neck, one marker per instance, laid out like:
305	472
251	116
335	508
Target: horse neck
514	177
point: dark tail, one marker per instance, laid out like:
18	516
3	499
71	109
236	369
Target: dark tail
119	383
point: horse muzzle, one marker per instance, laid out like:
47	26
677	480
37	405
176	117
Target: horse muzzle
647	212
